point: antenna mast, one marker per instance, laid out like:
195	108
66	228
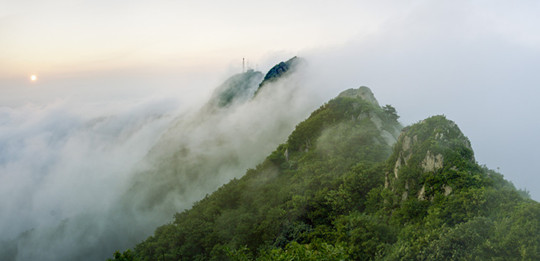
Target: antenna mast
243	65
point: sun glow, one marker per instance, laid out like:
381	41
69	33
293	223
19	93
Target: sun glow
33	77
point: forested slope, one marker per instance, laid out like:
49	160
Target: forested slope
341	187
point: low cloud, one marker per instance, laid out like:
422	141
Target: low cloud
62	161
86	179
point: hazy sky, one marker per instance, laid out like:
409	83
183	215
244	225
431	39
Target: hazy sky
475	61
65	36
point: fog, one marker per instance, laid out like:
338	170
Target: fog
87	178
65	161
94	160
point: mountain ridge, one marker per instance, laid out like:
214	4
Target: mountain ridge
310	140
351	183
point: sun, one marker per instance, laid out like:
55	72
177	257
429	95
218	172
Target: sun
33	77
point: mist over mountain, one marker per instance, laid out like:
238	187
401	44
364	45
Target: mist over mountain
350	183
126	170
237	89
281	69
233	131
104	180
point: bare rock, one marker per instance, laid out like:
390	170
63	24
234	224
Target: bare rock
432	162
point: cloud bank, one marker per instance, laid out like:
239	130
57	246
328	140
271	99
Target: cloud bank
84	180
60	161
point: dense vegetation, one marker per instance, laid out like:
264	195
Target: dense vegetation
338	190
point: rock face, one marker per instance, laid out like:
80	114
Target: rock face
429	158
432	162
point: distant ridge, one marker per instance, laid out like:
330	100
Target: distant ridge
239	88
280	70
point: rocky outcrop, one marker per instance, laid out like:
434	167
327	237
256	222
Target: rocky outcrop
427	158
447	190
432	162
362	92
404	154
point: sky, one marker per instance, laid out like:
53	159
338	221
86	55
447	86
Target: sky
474	61
57	37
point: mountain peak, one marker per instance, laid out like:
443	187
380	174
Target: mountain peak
236	89
280	70
433	149
362	92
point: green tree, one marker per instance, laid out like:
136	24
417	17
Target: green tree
390	112
126	256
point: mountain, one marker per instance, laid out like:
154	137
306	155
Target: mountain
444	206
256	209
281	70
351	183
238	88
431	158
205	149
